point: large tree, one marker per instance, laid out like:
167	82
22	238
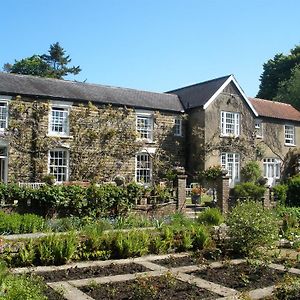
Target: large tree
277	70
53	65
289	90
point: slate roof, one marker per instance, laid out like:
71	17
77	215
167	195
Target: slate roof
38	87
197	95
276	110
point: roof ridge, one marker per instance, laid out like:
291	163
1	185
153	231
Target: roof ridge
84	83
202	82
267	100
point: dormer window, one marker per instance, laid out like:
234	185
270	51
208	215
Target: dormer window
230	123
144	126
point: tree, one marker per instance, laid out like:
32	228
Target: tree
33	65
53	65
277	70
58	61
289	90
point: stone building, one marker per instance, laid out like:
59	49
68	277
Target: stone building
210	123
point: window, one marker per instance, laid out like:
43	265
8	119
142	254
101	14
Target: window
271	168
59	121
144	126
143	168
289	134
59	164
231	163
178	126
259	128
230	124
3	115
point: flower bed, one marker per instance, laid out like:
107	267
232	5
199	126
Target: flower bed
90	272
162	287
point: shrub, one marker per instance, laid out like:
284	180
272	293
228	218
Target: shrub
288	289
201	237
251	226
251	171
249	191
15	223
211	174
56	249
280	193
293	191
19	287
211	216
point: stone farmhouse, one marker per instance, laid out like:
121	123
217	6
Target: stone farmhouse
206	124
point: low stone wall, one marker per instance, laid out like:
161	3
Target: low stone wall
155	211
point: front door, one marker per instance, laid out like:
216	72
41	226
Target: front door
3	164
231	163
271	170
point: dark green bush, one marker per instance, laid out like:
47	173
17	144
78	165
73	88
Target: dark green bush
251	226
280	193
211	216
293	191
248	191
251	171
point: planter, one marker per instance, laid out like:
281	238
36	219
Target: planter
196	199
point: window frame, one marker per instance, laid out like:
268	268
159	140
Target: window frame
276	163
177	126
5	100
235	124
147	169
65	108
66	166
236	162
259	131
147	130
289	136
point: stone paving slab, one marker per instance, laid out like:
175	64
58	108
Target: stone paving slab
261	293
283	268
69	291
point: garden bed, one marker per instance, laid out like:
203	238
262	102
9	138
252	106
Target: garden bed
162	287
242	277
174	262
91	272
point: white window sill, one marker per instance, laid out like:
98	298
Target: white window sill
259	137
148	141
60	136
289	145
178	135
229	135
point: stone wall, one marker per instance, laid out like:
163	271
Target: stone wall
22	163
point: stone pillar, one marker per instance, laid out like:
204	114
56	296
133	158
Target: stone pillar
266	200
181	192
223	194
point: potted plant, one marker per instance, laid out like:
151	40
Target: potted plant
196	194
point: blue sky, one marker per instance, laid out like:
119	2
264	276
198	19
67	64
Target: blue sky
154	45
